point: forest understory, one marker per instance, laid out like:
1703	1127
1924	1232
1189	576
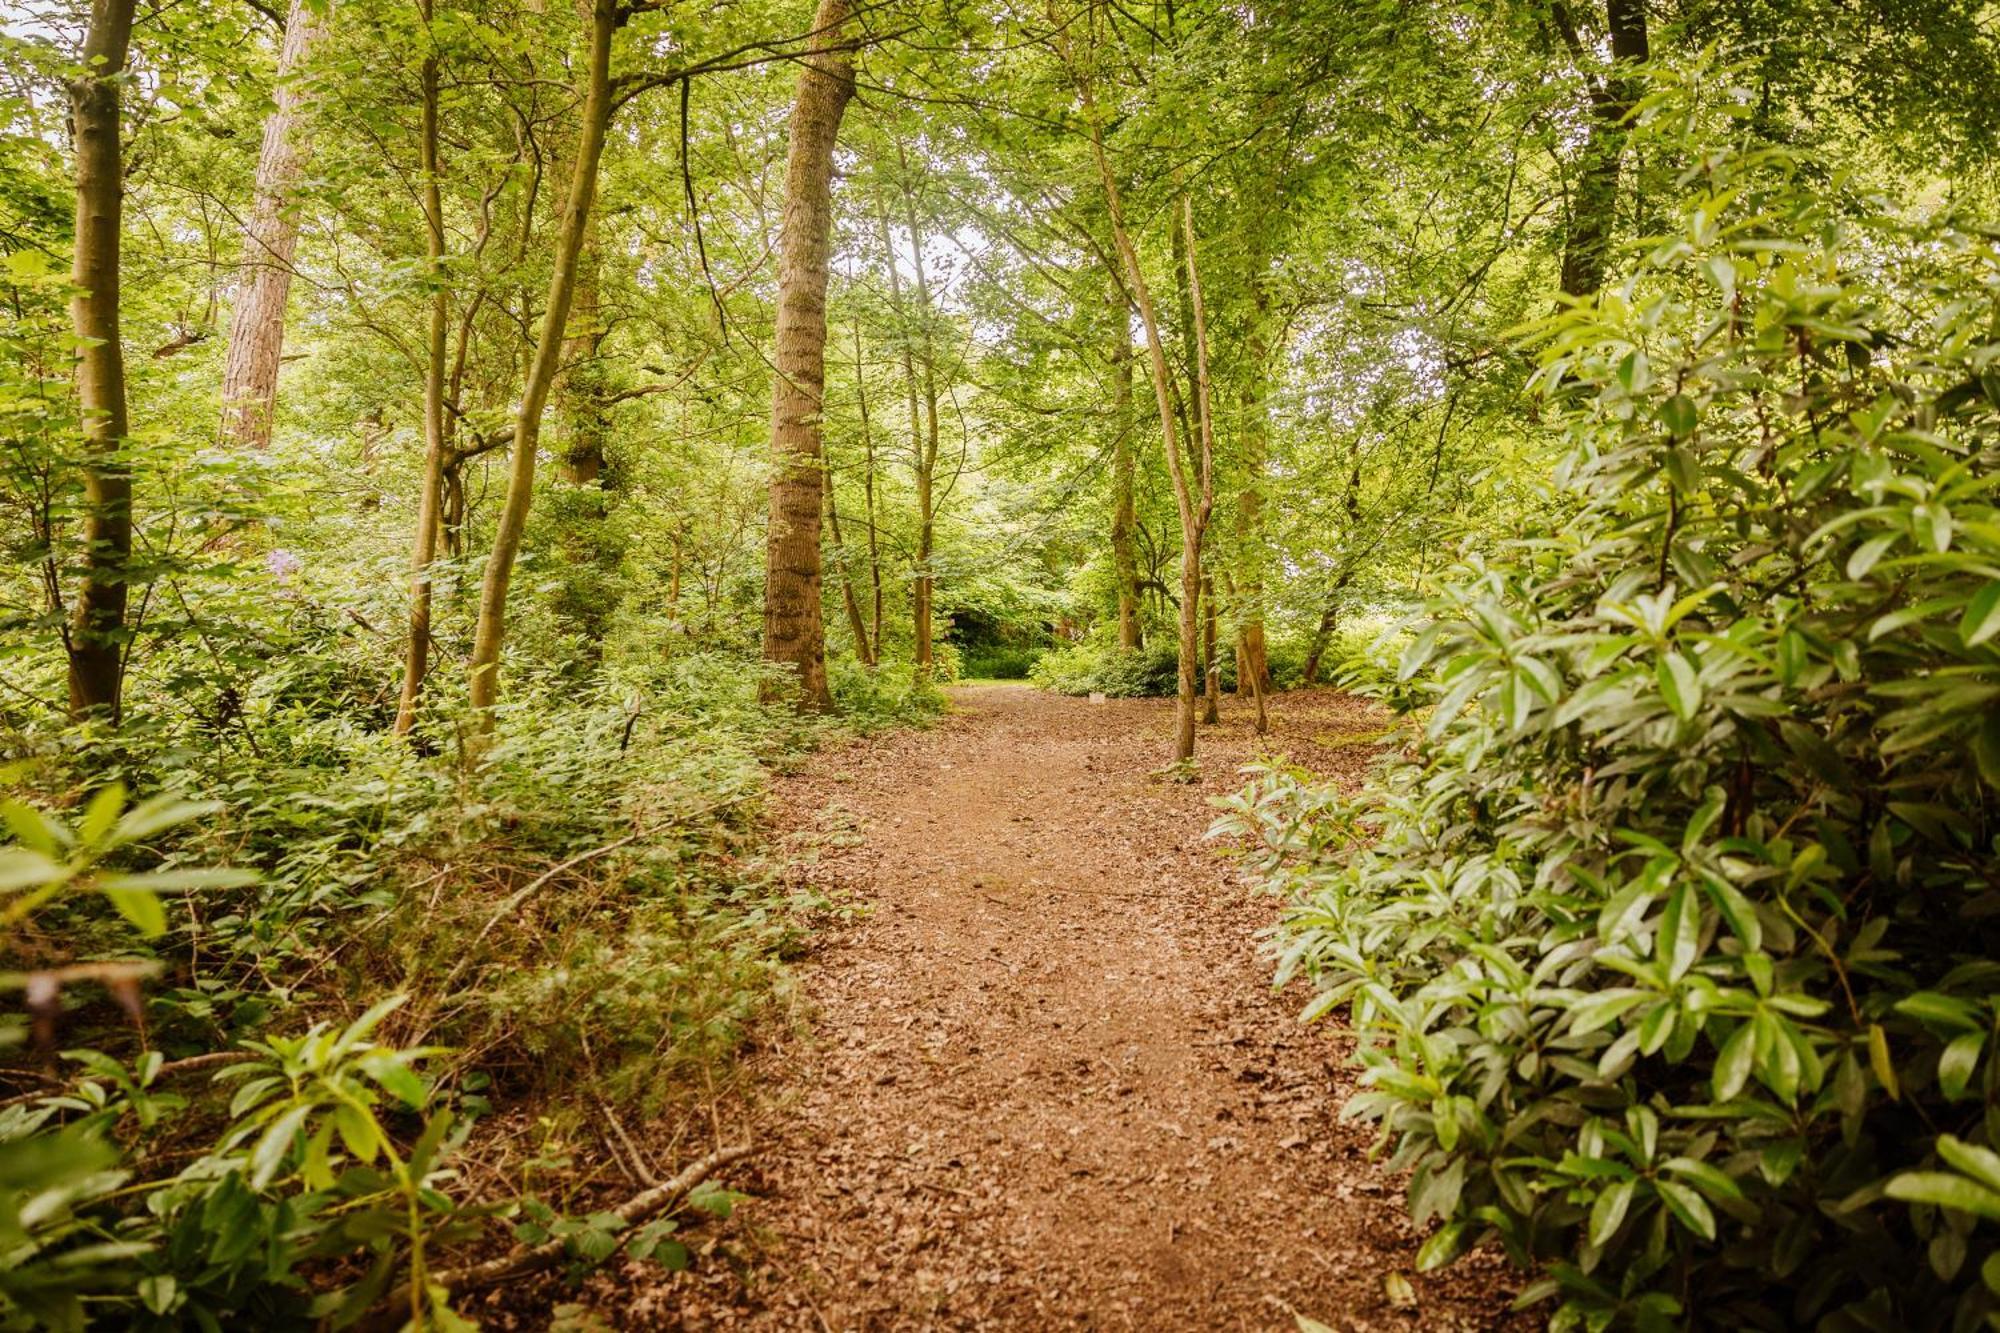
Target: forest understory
1044	1081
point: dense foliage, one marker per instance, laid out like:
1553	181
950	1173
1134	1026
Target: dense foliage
451	454
1669	937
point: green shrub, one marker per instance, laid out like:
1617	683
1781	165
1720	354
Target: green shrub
1671	939
1000	662
1121	673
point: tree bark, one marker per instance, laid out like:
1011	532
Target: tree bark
1193	512
96	630
1211	710
852	601
541	376
874	654
257	324
416	649
1254	679
1594	209
927	447
1124	560
581	392
794	635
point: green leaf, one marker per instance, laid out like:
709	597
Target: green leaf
1680	931
1608	1213
1446	1244
1982	615
1958	1061
141	907
1688	1207
182	879
1732	1067
1879	1061
1982	1164
1679	684
1943	1190
1678	415
1867	555
101	813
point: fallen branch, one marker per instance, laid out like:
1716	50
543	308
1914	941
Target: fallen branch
171	1069
534	1258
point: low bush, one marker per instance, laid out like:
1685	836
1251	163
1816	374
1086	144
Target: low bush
1121	673
1000	662
1670	937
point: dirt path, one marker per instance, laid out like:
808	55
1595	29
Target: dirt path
1048	1085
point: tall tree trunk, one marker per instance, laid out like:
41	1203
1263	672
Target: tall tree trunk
581	390
1594	209
542	370
1211	710
852	601
1124	560
794	634
927	446
96	631
416	650
257	324
1193	512
868	497
1254	678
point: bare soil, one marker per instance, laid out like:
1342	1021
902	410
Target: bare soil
1046	1083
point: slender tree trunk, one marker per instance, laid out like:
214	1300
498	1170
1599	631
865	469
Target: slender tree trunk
416	650
257	324
1193	512
794	634
1211	676
874	654
1322	634
927	446
1124	510
855	624
542	370
1594	209
581	391
1253	679
96	631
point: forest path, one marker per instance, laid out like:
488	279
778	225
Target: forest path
1047	1084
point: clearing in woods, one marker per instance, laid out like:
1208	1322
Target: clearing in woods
1046	1083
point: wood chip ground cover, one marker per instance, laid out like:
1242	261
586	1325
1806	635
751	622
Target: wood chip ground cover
1046	1083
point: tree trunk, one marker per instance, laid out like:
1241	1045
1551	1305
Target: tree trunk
1594	210
874	654
542	373
855	624
416	650
1323	632
257	324
1211	711
927	447
1125	563
794	635
96	631
581	392
1193	512
1254	679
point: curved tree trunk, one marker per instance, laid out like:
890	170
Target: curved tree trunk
794	635
542	373
96	631
257	325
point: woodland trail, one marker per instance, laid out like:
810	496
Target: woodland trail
1047	1084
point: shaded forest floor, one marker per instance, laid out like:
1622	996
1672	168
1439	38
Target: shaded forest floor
1045	1083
